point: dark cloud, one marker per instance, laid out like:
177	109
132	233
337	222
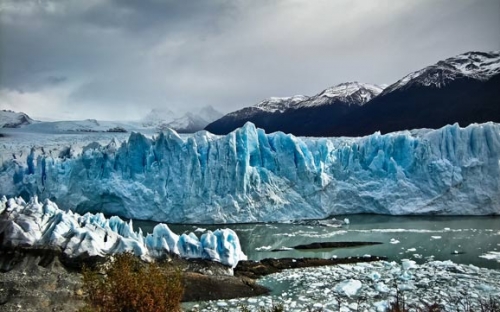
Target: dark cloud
118	58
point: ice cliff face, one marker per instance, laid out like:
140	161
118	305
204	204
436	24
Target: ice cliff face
36	224
251	176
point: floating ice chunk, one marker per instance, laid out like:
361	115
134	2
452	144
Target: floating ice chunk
263	248
411	250
381	287
374	276
348	287
408	264
435	237
381	306
486	288
394	241
491	255
406	276
346	221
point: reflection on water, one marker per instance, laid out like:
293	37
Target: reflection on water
460	239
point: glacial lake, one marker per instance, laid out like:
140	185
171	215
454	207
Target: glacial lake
419	238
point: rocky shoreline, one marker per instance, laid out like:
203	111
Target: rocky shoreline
36	279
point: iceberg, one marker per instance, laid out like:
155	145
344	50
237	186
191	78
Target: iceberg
36	224
251	176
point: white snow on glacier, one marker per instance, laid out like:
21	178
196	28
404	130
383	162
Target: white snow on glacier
249	176
36	224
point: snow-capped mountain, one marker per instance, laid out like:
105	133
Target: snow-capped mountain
474	65
464	89
189	122
299	114
158	116
11	119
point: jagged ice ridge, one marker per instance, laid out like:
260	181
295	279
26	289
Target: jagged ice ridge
251	176
35	224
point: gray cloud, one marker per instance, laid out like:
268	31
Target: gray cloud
119	58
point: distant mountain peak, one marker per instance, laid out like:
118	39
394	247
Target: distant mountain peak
348	88
195	120
157	116
12	119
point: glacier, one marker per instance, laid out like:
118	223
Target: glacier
36	224
251	176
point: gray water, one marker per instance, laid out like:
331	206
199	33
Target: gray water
460	239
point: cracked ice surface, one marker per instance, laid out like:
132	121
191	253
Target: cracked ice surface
37	224
371	286
251	176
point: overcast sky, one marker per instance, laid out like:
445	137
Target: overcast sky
117	59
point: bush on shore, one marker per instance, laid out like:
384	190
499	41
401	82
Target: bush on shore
127	284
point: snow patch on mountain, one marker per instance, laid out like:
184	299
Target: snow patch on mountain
350	93
280	104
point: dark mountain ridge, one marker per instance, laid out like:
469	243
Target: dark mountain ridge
463	89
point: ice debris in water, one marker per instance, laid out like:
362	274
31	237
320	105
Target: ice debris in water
37	224
394	241
249	176
372	286
491	255
348	287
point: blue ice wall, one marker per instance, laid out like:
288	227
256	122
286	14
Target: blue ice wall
249	176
